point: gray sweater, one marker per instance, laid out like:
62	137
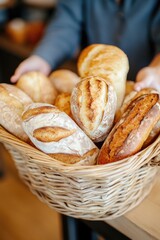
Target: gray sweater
133	25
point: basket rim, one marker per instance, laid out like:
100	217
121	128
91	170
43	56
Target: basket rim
8	138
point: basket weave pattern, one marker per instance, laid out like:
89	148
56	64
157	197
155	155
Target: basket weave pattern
99	192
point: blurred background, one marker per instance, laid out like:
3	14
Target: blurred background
22	24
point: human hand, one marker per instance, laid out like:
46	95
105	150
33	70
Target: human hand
148	77
33	63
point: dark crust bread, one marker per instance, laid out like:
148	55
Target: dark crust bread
129	134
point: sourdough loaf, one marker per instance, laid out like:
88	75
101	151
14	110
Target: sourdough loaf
108	62
93	106
131	131
56	134
12	104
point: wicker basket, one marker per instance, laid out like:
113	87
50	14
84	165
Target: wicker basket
97	192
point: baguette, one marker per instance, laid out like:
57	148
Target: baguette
131	131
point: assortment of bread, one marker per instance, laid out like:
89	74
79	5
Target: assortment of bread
63	115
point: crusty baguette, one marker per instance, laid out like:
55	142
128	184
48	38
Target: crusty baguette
12	104
93	106
108	62
129	98
129	134
56	134
38	87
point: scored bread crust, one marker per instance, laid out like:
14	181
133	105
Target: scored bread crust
131	131
93	106
12	103
108	62
56	134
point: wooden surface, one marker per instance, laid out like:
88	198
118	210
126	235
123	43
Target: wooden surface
143	222
22	215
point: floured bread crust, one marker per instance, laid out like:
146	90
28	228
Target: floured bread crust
56	134
12	104
93	106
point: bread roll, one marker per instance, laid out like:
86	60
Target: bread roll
56	134
108	62
64	80
38	87
62	102
93	106
129	134
12	104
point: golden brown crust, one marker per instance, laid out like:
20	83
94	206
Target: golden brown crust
39	110
49	134
93	106
130	133
62	102
64	80
37	86
108	62
73	159
131	97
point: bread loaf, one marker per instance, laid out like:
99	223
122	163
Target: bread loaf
129	98
93	106
38	87
56	134
131	131
12	104
64	80
108	62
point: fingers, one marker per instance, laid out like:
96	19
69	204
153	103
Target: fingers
21	69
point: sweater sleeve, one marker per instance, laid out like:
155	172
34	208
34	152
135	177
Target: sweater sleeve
156	31
62	36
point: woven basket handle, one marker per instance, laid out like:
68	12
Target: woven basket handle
155	161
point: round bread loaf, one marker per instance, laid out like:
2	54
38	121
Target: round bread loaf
108	62
12	104
38	87
64	80
93	106
56	134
